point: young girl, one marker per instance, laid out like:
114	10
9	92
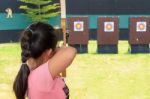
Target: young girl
42	62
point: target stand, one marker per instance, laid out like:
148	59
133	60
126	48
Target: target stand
78	33
139	36
81	48
108	35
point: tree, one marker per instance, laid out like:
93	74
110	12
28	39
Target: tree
40	10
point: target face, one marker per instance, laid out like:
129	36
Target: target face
141	26
79	26
109	26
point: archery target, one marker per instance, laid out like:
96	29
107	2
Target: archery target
141	26
109	26
79	26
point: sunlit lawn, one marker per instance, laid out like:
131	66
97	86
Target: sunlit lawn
91	76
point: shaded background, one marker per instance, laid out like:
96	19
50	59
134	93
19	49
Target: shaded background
97	7
108	7
10	28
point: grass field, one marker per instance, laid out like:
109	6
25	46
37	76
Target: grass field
91	76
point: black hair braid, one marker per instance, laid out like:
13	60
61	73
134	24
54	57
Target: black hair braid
21	81
26	46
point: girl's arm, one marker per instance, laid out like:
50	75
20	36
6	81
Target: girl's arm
61	60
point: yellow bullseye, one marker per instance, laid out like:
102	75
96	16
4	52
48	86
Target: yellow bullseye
108	26
141	26
78	26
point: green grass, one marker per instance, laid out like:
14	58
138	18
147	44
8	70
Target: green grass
91	76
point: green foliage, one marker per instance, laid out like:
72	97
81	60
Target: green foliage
40	10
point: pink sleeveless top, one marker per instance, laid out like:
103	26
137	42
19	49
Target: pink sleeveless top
42	86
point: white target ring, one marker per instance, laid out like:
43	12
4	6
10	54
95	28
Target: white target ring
109	26
79	26
141	26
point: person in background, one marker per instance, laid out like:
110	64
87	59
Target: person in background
9	13
42	62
